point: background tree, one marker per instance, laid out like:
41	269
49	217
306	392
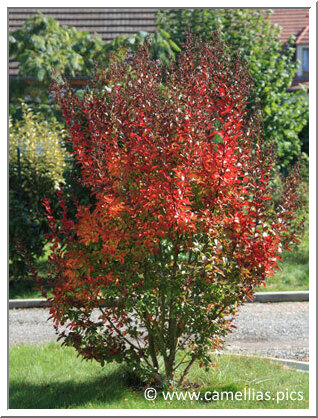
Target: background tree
183	227
270	63
42	44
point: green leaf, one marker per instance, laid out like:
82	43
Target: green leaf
217	139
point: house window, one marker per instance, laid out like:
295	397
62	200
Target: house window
305	61
303	57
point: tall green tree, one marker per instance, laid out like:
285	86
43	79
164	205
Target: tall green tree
249	32
42	46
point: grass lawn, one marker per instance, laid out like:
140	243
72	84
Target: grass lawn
26	289
50	376
294	273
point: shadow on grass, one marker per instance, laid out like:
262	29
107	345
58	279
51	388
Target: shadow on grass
109	388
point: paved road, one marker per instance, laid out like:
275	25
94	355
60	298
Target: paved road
269	329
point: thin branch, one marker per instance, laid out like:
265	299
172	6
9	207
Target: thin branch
186	370
124	338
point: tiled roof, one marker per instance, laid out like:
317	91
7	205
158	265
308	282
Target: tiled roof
107	22
293	22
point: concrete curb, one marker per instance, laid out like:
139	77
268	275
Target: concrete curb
302	296
295	364
26	303
298	296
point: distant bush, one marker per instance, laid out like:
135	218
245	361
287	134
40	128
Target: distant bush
37	161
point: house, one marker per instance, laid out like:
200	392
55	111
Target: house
296	22
111	22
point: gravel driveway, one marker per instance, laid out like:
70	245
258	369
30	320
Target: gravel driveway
268	329
272	329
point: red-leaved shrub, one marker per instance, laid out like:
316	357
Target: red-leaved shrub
184	226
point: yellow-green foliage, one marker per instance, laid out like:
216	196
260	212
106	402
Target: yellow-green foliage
43	160
41	150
